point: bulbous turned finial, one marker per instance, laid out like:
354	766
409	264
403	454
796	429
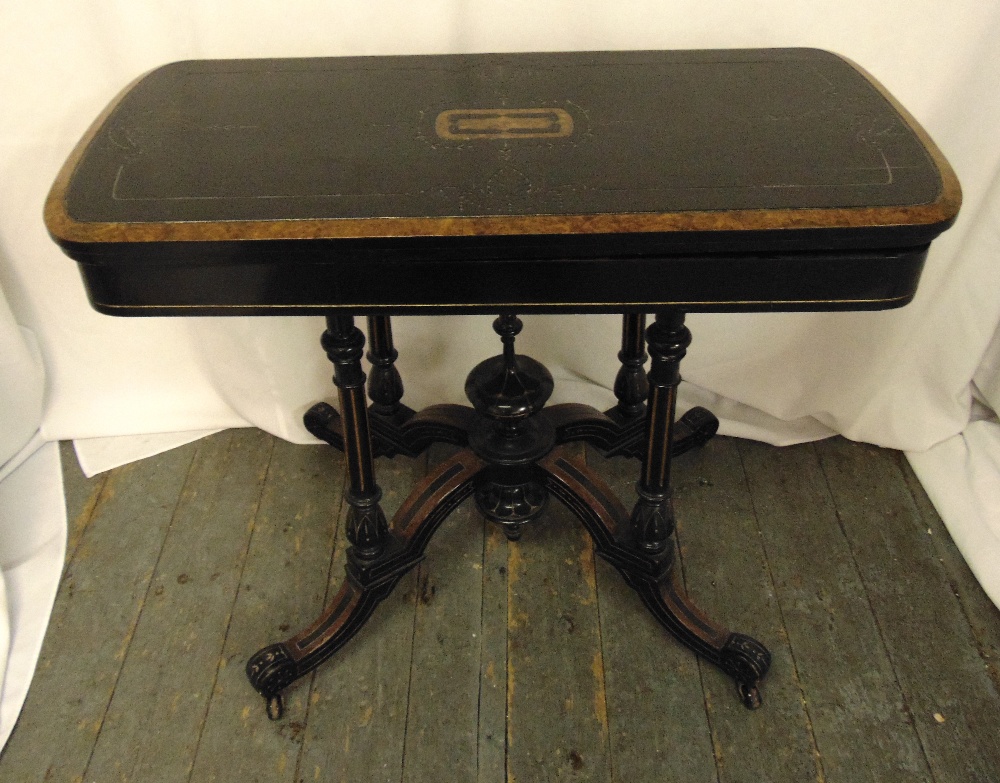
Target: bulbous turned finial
508	388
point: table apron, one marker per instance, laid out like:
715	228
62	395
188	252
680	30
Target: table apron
725	282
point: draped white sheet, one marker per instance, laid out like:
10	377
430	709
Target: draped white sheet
903	378
32	516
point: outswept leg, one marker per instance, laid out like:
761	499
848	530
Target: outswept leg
653	576
574	421
368	581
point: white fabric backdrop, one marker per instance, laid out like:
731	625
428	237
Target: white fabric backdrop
32	516
902	378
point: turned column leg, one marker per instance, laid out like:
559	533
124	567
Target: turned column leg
276	666
622	429
367	529
631	385
393	427
653	516
639	545
385	386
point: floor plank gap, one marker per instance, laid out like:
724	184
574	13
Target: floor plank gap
232	607
341	515
512	661
130	636
794	671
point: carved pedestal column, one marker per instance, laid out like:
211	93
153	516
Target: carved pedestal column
507	391
511	465
366	524
653	515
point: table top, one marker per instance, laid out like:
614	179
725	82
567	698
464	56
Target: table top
730	179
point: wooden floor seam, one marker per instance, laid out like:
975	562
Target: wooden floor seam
510	662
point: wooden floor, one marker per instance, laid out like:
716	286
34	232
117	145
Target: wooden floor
520	661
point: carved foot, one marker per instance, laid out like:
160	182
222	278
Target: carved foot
653	577
323	422
368	581
741	657
404	432
270	671
746	660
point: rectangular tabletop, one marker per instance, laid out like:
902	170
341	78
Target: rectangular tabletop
711	180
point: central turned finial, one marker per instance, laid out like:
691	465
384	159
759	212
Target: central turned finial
507	391
508	388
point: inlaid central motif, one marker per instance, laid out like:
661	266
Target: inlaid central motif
469	124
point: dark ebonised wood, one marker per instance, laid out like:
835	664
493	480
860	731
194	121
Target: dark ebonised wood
603	180
511	465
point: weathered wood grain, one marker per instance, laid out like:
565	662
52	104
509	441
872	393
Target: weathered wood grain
948	694
358	700
282	589
655	709
978	610
557	723
859	716
442	732
156	716
492	718
83	496
727	572
821	551
100	598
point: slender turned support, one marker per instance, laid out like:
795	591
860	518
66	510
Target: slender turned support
653	516
367	529
395	428
631	385
276	666
385	387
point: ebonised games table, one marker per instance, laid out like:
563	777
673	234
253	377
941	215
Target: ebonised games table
627	182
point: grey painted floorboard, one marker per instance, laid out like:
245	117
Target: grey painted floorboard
503	662
948	694
979	611
728	574
862	729
557	724
100	599
655	707
169	671
492	716
282	590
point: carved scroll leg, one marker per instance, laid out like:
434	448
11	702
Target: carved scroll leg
653	577
395	428
574	421
367	583
740	656
275	667
695	428
435	424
